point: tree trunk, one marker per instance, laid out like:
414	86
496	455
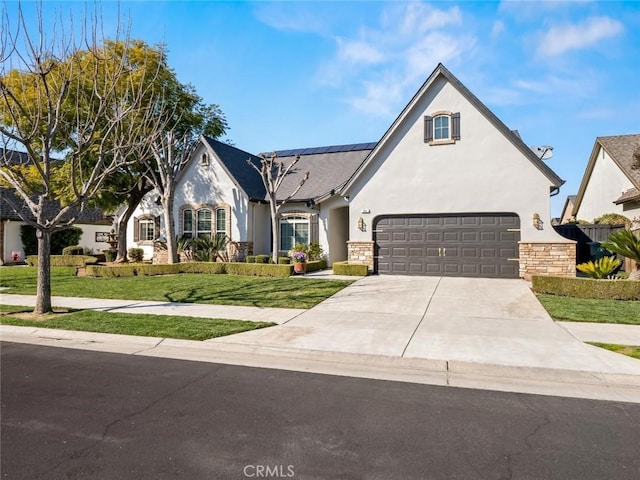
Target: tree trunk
635	275
132	203
275	244
43	292
169	228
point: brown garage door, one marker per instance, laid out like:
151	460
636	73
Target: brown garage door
464	245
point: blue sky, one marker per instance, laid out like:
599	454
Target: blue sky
302	74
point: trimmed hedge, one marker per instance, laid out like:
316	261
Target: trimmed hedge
263	258
284	260
353	269
260	269
73	250
212	268
316	265
64	260
586	287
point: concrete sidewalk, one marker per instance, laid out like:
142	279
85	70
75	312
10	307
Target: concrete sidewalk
477	333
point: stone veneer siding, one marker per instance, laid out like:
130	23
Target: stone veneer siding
360	253
547	258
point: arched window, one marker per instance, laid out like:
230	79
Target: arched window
203	223
221	222
441	130
187	223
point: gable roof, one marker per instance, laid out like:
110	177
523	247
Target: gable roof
512	135
621	149
329	169
234	161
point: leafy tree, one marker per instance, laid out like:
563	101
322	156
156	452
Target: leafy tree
272	172
68	97
627	244
612	219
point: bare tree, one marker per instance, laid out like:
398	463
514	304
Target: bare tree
273	173
66	97
170	155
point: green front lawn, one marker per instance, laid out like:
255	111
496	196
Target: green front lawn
187	288
591	310
164	326
630	351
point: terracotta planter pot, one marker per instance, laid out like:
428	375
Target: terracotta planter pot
299	267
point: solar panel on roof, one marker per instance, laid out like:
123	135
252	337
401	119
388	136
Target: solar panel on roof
352	147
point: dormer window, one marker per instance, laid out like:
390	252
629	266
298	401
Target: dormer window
441	128
204	160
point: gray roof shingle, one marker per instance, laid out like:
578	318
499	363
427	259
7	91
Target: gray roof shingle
624	150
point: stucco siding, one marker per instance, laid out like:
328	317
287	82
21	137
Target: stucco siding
481	172
606	184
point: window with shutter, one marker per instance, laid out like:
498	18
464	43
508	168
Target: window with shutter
442	128
428	129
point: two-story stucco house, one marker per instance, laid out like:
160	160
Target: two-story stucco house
448	190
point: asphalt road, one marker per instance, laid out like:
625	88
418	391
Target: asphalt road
73	414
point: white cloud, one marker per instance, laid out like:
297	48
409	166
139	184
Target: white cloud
562	38
421	17
358	51
497	28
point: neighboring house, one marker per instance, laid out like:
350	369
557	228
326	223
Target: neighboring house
94	225
611	181
567	210
448	190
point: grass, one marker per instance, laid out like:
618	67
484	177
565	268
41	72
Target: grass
629	350
189	288
591	310
165	326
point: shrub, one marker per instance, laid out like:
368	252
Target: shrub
263	258
354	269
284	260
315	251
601	268
59	239
64	260
104	271
627	244
611	219
110	255
73	250
158	269
260	270
136	254
316	265
586	287
251	259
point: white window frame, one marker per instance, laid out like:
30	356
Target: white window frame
203	233
438	128
221	213
146	222
187	213
295	220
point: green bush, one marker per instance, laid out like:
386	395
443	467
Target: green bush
601	268
64	260
212	268
105	271
611	219
159	269
73	250
136	254
586	287
316	265
346	268
260	270
263	258
315	251
59	240
284	260
251	259
110	255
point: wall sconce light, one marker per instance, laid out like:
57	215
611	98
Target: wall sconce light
361	225
537	221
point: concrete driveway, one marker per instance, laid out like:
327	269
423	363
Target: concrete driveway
487	321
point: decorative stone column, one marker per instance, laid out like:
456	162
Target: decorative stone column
547	258
361	252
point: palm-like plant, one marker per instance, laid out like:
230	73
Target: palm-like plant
627	244
601	268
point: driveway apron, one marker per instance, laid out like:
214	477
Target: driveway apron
490	321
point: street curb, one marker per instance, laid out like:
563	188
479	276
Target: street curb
417	370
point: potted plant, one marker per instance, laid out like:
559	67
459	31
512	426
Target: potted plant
299	262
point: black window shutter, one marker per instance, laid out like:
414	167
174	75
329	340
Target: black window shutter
428	129
136	230
313	224
455	127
